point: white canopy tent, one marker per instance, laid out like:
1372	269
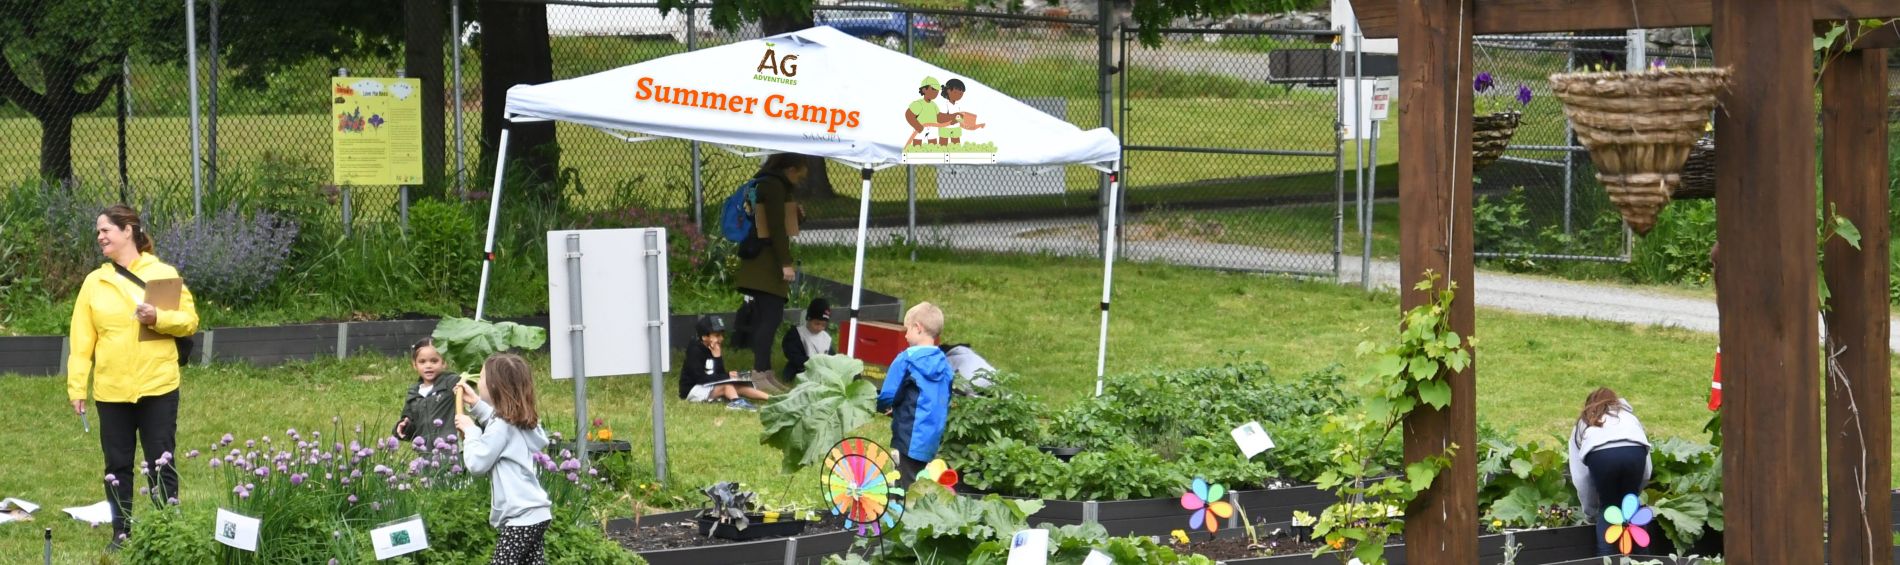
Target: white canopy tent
818	92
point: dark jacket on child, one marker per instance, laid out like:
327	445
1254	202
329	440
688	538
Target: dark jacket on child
701	367
424	410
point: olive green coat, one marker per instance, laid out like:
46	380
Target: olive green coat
764	272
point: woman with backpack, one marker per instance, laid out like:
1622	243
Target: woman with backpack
126	349
766	269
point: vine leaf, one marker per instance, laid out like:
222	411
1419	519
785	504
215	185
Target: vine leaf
1435	392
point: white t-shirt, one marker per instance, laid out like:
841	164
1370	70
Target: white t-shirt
424	389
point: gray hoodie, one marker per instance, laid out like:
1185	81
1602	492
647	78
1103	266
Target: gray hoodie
506	453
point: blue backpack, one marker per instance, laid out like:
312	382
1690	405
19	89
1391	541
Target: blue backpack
735	218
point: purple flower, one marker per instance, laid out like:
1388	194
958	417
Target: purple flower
455	469
415	465
226	440
110	478
357	473
375	506
173	501
573	478
352	499
296	479
571	465
391	443
565	454
193	454
383	470
215	463
263	471
1658	64
1523	94
1484	82
329	477
438	421
250	444
591	472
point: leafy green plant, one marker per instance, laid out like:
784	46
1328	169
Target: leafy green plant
829	402
445	239
1405	375
1676	251
1010	467
1125	472
941	528
1498	225
465	344
729	504
1524	486
996	412
1685	488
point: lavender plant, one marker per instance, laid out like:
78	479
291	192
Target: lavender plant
229	257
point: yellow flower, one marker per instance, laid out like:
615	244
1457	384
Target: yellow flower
1337	543
1497	523
1180	536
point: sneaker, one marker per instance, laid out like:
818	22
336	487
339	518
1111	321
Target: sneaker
741	404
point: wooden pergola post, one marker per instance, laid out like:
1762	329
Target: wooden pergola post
1854	181
1765	205
1435	224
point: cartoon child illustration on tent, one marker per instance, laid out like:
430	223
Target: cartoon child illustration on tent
925	116
956	119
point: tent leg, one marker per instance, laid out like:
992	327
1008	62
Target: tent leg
494	209
1108	275
857	268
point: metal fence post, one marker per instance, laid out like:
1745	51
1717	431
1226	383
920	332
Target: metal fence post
1360	136
455	60
1103	68
191	86
346	211
910	172
1570	158
211	116
1339	153
699	179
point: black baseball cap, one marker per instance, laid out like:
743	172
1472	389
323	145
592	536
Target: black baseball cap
710	325
820	309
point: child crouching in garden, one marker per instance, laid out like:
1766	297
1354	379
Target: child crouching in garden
502	439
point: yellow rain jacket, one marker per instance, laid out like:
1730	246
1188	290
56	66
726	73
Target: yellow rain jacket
105	336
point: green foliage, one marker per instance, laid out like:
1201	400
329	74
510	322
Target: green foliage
1009	466
1125	472
1525	485
446	246
829	402
996	413
941	528
1685	488
1498	225
465	344
1676	251
1405	375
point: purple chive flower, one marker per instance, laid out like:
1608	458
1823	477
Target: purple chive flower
375	506
352	499
329	477
565	454
296	479
392	443
438	421
346	480
193	454
415	465
173	501
455	469
226	440
573	478
110	478
591	472
383	470
333	560
357	473
215	463
263	471
1523	94
250	444
1483	82
1658	64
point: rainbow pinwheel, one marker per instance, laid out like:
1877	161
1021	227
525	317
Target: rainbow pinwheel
1205	501
859	479
1626	524
939	472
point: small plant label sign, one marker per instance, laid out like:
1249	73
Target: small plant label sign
236	530
1253	439
1029	547
1096	557
401	537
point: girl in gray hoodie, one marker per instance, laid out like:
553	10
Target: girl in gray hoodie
503	437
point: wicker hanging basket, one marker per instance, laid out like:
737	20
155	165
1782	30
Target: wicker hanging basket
1698	174
1639	128
1490	135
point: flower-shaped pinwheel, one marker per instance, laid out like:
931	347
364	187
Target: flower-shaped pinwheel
1626	524
939	472
1205	501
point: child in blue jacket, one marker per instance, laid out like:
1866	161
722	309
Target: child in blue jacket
916	392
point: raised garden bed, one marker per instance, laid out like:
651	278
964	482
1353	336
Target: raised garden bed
1535	547
674	539
266	346
1267	508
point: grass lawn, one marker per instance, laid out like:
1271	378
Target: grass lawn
1032	315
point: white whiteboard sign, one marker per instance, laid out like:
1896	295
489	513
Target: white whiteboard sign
614	289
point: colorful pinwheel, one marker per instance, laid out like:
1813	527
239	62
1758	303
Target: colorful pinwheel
859	479
1626	524
1207	505
939	472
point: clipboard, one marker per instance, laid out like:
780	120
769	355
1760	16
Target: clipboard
792	211
162	294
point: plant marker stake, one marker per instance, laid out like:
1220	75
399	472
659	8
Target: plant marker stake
1108	274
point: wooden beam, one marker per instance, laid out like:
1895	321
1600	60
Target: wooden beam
1765	205
1379	18
1435	220
1854	180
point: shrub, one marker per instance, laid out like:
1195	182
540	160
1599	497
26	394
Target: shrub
1676	251
229	257
998	412
445	243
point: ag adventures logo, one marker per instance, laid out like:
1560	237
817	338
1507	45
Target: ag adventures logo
774	67
943	125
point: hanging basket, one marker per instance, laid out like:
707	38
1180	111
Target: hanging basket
1490	135
1639	128
1698	174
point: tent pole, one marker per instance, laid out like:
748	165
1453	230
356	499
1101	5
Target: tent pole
1108	274
494	209
857	268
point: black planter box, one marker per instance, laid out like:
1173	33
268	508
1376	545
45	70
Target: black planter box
809	549
1266	508
756	527
1535	547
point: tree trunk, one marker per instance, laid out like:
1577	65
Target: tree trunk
817	185
514	50
423	34
56	146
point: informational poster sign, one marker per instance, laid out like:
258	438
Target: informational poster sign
1382	98
375	131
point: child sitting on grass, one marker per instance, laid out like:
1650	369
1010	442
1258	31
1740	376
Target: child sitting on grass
704	378
428	412
916	392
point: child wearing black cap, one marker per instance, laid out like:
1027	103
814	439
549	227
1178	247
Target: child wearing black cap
808	339
703	378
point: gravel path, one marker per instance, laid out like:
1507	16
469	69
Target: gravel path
1502	291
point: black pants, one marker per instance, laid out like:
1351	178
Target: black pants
521	545
767	314
1615	472
152	422
907	470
